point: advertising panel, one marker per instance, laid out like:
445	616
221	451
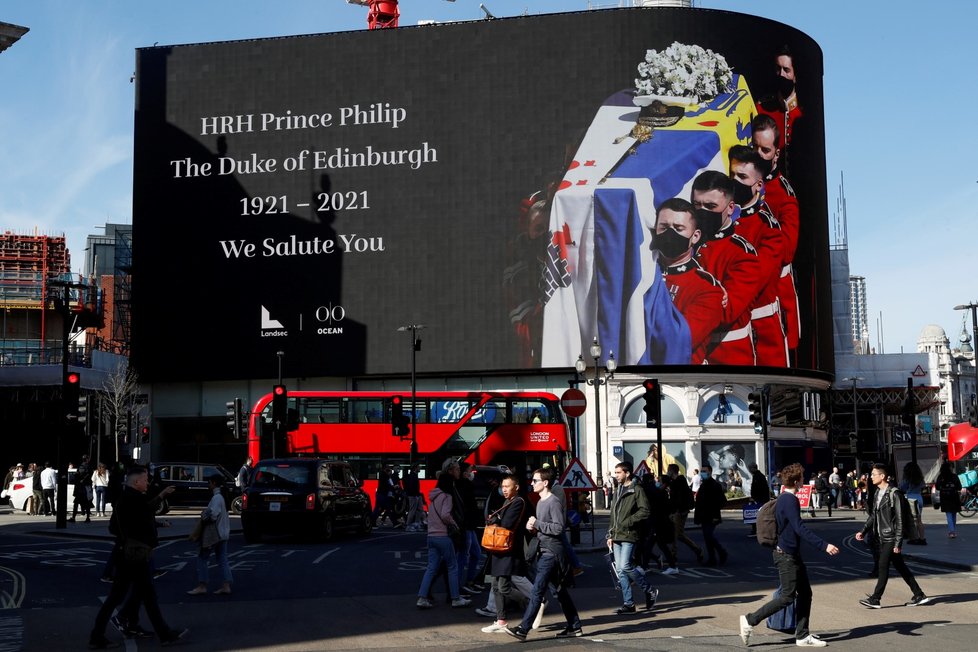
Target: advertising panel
499	182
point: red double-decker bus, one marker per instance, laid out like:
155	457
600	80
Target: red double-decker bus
521	430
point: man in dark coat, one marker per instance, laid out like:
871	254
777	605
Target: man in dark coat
134	520
759	491
710	499
512	515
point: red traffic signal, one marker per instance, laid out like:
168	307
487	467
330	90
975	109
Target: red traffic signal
73	378
653	407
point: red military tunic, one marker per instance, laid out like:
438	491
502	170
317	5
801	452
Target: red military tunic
733	261
699	297
758	226
780	197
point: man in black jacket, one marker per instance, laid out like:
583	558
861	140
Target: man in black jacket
135	524
681	499
512	515
885	522
710	499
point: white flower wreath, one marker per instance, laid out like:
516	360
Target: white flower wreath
684	71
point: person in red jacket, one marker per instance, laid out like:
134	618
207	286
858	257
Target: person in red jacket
780	198
782	105
695	292
732	260
758	226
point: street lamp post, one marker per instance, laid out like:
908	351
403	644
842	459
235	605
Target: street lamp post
973	307
855	417
415	347
597	382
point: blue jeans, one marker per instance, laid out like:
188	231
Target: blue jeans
623	561
546	566
468	558
221	552
440	548
952	518
100	499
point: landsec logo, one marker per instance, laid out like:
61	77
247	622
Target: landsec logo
271	327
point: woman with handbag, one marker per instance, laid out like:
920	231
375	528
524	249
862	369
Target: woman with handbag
213	531
505	530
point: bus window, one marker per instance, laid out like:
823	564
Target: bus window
449	410
491	412
320	410
532	411
420	410
366	410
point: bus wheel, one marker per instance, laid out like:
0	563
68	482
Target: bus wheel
236	505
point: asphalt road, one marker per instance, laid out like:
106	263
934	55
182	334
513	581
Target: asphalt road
359	593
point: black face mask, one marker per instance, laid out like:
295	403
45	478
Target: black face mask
785	87
742	194
670	243
708	222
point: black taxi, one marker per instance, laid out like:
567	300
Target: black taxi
304	496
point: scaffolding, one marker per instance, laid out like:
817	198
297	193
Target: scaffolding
33	327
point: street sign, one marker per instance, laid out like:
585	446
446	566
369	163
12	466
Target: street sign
576	478
573	402
641	470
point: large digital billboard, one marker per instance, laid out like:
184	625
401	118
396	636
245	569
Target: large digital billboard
519	187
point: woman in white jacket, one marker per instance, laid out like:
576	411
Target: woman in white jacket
214	536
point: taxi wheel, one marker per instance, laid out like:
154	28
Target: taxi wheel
329	527
366	524
236	505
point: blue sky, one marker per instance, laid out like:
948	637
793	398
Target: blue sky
899	94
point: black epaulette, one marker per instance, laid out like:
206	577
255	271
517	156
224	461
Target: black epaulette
786	185
706	276
764	212
742	242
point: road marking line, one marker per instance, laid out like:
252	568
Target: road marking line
15	598
325	555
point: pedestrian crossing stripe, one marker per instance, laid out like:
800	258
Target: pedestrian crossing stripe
576	478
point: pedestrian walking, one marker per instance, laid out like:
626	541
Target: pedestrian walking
82	491
795	586
504	565
628	515
442	525
243	478
710	499
553	567
469	557
214	532
760	493
885	523
912	486
412	489
681	503
948	487
135	524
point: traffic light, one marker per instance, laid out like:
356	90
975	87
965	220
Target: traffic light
71	388
755	403
280	406
400	424
83	409
144	435
234	417
973	413
653	403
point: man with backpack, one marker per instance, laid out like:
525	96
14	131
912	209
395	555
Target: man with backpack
890	522
795	585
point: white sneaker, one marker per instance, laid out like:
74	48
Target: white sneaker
671	571
461	602
746	630
495	628
424	603
539	617
810	641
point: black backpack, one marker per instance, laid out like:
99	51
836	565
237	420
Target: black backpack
767	525
906	515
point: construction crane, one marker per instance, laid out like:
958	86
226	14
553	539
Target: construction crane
382	14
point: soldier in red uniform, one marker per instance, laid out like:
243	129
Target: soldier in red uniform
758	226
695	292
780	198
782	106
732	260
